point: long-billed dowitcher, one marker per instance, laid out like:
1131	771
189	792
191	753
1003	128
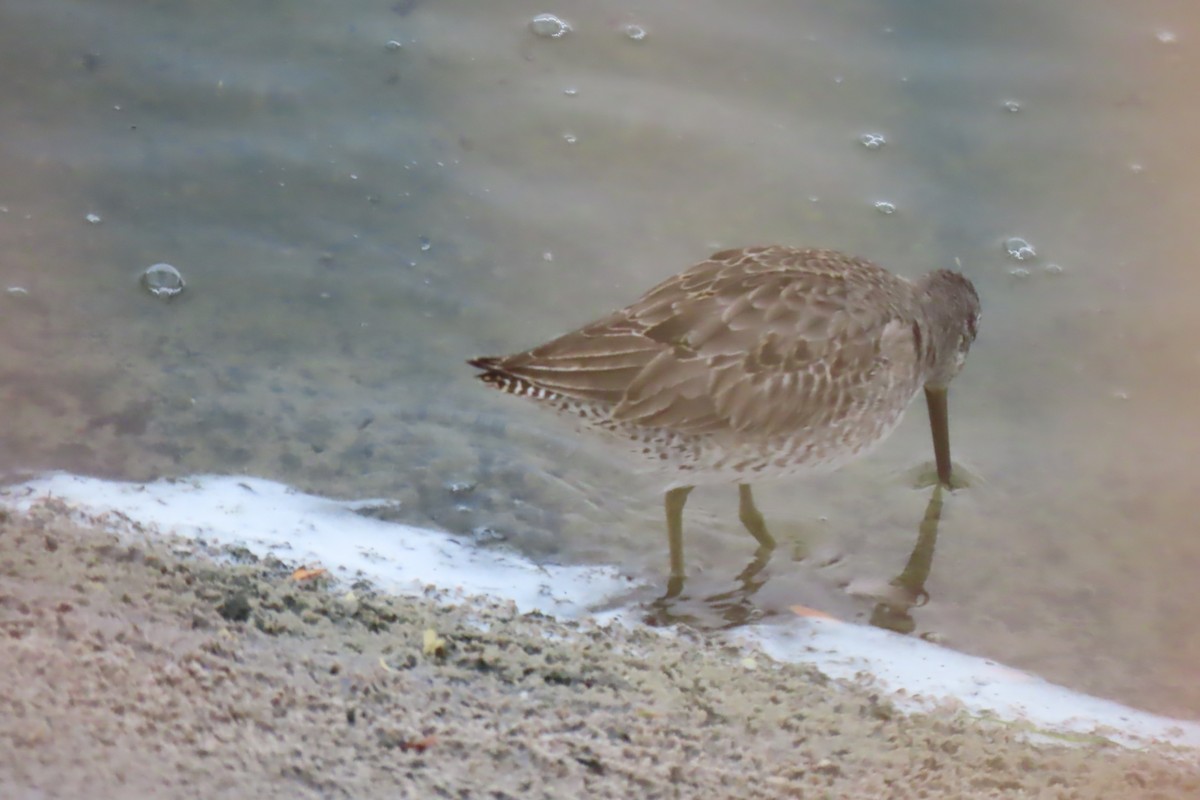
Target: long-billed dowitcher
765	362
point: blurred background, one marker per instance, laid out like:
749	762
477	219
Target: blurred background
361	195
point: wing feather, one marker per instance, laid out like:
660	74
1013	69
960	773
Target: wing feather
762	340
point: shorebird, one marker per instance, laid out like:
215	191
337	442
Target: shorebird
758	363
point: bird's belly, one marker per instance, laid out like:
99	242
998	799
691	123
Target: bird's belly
745	456
739	457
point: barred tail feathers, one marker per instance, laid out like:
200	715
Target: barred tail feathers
496	376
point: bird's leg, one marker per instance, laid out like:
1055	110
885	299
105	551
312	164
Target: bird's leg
735	605
675	500
752	518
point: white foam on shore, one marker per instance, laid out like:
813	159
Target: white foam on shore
269	517
265	516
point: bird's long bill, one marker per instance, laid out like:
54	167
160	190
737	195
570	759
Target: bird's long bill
939	423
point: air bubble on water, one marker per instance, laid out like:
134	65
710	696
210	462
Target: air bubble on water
1121	394
1053	269
1135	168
1019	249
570	138
570	91
549	26
635	32
94	219
460	488
17	291
425	244
393	45
1019	272
547	256
873	141
884	207
1012	105
162	281
1166	37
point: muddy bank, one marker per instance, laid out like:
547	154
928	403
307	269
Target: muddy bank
152	667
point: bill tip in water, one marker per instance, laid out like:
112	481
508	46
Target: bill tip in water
926	476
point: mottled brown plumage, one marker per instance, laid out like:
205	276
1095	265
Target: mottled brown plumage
762	362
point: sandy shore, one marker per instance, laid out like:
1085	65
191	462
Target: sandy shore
145	667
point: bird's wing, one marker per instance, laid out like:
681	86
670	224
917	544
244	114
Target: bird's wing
771	341
764	339
596	363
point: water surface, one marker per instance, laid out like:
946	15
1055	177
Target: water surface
354	220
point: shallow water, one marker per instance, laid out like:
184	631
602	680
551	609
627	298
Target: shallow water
354	220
